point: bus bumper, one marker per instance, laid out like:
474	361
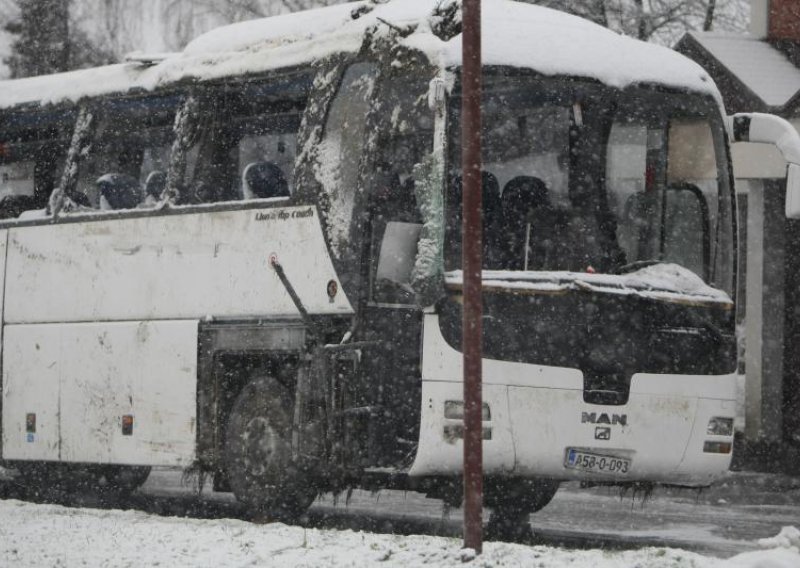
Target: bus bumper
658	436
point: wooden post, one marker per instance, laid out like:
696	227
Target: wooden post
472	264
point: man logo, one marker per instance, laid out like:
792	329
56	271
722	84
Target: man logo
603	418
602	433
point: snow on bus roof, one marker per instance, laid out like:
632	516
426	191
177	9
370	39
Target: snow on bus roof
514	34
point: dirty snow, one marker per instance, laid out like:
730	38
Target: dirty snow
51	535
522	35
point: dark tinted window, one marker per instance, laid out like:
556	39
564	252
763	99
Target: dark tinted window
130	147
32	152
247	141
583	178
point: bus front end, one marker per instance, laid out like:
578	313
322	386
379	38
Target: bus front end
608	288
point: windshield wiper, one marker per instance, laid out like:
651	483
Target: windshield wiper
634	266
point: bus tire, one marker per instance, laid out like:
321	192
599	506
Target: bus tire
512	501
258	454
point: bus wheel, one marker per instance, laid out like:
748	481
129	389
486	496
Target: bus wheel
125	479
512	501
258	453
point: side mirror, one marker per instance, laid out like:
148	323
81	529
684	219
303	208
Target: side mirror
398	251
793	192
768	129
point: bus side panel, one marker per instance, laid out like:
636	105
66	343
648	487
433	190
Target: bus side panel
441	439
31	393
169	267
127	390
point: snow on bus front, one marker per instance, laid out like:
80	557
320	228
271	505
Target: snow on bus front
653	398
648	279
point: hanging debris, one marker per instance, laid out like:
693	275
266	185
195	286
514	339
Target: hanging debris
426	277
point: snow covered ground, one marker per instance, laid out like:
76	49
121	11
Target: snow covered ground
34	535
728	525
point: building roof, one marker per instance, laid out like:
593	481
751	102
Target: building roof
770	79
514	34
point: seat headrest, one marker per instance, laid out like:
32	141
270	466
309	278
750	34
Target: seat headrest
155	183
264	180
529	189
120	191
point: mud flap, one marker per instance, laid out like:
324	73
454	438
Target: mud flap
329	426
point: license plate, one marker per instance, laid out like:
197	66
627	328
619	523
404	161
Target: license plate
597	463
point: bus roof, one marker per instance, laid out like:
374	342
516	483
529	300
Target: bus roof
514	34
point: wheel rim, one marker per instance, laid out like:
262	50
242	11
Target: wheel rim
264	448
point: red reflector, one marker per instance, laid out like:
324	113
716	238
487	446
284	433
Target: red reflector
127	425
649	178
717	447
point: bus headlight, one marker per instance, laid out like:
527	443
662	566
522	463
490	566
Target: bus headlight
720	426
717	447
453	432
454	410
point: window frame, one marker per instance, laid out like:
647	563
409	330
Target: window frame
167	209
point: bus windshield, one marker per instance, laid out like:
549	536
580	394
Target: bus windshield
582	178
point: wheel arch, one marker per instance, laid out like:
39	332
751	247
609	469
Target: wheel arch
230	356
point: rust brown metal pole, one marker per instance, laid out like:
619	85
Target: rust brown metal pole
472	262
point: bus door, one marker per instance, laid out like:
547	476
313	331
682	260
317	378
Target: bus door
391	313
377	128
392	320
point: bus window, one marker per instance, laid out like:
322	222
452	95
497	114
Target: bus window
637	206
129	153
402	143
525	182
588	180
32	155
693	185
248	146
671	216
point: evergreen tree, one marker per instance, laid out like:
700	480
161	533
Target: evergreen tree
47	42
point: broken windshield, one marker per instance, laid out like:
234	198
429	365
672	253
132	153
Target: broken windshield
581	178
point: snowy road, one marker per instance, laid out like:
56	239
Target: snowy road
723	521
38	535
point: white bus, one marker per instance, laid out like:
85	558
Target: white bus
243	259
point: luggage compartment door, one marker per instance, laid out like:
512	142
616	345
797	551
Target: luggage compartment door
107	392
